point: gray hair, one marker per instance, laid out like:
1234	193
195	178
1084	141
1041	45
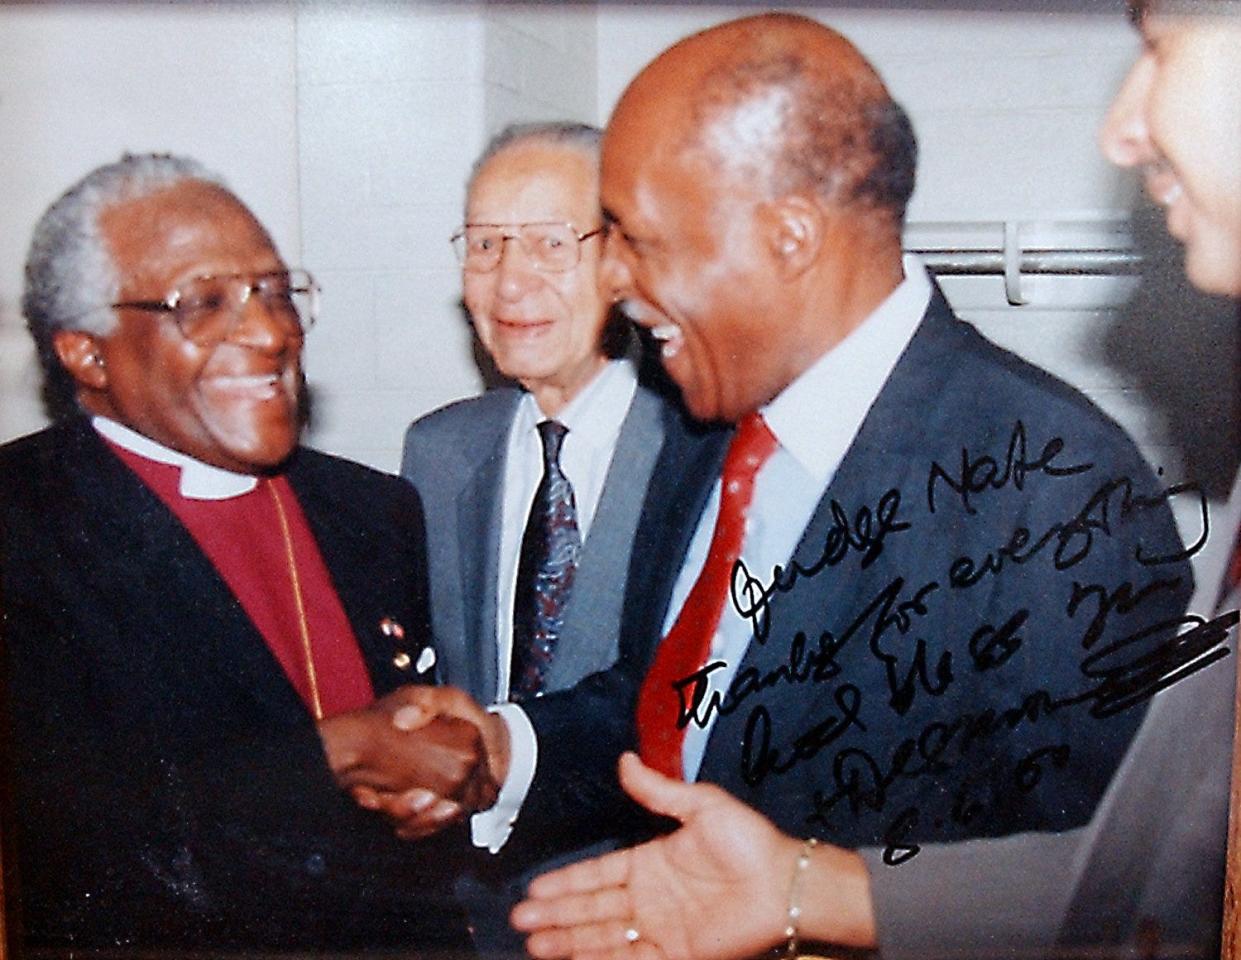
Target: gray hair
568	133
70	276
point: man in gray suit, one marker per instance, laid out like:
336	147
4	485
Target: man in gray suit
529	251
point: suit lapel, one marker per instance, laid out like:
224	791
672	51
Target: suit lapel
884	456
479	518
681	482
174	587
594	607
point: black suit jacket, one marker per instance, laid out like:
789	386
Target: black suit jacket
169	786
930	672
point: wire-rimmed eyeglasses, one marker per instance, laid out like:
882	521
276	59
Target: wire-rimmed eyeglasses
206	309
554	247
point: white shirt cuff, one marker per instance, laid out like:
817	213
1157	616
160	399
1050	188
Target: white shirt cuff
491	828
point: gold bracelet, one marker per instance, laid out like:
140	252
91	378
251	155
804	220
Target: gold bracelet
794	912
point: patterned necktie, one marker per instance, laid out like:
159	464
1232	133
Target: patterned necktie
661	720
549	550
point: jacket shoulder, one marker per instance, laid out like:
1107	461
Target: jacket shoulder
339	472
31	465
448	422
446	435
1005	389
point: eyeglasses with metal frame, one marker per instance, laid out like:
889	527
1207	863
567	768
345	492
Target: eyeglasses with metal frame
549	246
206	309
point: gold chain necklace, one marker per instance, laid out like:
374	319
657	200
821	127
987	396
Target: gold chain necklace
303	625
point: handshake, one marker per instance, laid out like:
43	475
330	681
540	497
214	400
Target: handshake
425	757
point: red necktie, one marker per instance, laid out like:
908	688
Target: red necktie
661	718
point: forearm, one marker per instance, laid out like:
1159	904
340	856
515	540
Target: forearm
833	896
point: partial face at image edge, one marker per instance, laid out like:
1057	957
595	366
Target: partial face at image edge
1177	118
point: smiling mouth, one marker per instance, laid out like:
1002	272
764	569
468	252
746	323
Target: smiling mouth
668	334
522	326
249	387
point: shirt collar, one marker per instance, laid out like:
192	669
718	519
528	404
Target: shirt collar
847	379
199	481
595	415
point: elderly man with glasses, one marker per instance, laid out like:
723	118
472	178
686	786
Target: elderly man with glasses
533	493
207	627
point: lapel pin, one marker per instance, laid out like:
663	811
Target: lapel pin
390	628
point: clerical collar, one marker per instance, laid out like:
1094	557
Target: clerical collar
199	481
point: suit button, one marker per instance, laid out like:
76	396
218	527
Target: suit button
316	866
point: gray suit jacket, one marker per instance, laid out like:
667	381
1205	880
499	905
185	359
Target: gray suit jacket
455	457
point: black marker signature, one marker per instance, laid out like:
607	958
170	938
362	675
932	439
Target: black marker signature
898	848
864	782
1124	599
983	473
804	665
864	534
1110	506
759	758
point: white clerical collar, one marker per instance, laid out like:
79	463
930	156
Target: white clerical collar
199	481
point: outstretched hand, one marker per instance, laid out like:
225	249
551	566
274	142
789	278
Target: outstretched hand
712	890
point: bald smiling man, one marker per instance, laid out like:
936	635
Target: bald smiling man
939	669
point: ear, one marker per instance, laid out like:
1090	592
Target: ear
795	227
81	354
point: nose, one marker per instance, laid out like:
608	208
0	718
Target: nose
263	326
1124	137
515	275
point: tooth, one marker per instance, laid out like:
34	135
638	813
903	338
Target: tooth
665	331
633	310
1171	195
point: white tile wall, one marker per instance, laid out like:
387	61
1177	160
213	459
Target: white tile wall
395	103
390	99
80	83
350	127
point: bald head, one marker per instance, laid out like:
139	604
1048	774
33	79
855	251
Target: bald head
785	102
755	176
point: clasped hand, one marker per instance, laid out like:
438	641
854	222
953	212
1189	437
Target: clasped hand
424	757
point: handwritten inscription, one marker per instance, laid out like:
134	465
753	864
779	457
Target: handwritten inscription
864	534
965	645
982	473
